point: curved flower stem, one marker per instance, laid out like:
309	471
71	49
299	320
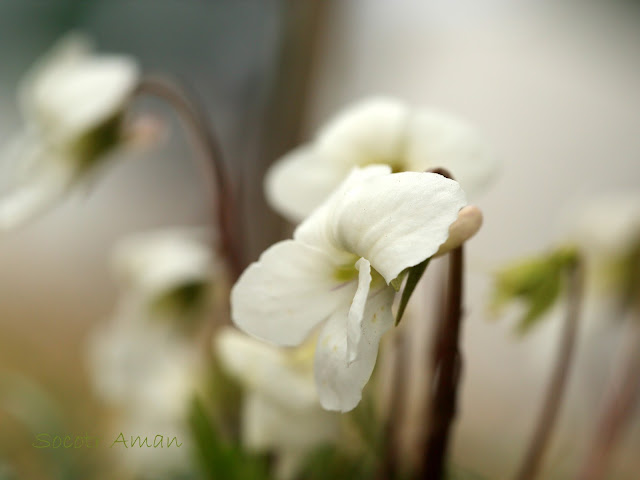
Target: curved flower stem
447	366
618	408
553	400
213	170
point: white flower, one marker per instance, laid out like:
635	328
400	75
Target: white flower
150	376
170	271
607	228
377	131
608	225
337	269
143	367
73	104
281	411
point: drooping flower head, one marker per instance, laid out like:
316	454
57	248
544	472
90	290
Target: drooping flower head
335	273
171	272
281	410
377	131
73	103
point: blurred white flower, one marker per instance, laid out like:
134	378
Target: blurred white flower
171	272
281	411
337	269
150	376
143	366
377	131
73	103
608	225
607	228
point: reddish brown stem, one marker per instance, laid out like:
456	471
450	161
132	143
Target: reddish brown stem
214	172
555	392
617	411
389	466
447	367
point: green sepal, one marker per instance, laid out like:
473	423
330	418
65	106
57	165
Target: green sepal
396	283
537	282
413	274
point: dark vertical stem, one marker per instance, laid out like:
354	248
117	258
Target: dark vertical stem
214	172
389	465
617	411
557	386
447	367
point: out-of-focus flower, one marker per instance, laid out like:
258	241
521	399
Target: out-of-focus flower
73	103
142	365
607	229
145	367
281	411
337	269
377	131
150	376
171	272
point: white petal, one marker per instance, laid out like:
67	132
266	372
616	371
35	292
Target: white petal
356	312
71	90
607	225
283	375
373	131
153	263
72	49
290	290
395	221
339	382
267	425
35	196
317	229
437	139
300	181
141	365
82	96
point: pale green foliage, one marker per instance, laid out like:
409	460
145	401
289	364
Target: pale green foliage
537	282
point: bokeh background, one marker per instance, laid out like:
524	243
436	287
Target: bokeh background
552	85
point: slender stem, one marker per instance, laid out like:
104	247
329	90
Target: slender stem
391	437
617	411
447	368
555	392
214	172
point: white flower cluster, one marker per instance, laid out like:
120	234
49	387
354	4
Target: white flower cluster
335	273
141	361
73	103
369	213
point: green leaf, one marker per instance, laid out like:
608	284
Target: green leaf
396	283
537	282
219	458
413	277
458	473
335	464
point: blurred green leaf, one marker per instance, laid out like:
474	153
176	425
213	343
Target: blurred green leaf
217	457
537	282
333	463
622	274
32	406
458	473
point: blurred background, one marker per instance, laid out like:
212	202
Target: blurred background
552	85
